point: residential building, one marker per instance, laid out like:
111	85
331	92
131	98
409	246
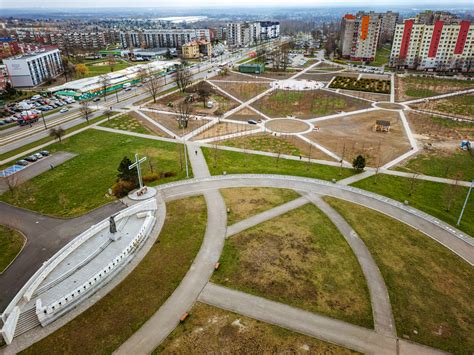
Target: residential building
243	34
434	41
9	47
359	37
168	38
269	30
196	49
34	69
388	21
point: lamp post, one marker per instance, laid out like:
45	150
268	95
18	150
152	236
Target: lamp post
465	203
44	121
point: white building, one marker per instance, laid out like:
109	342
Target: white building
33	69
359	36
243	34
168	38
269	30
437	45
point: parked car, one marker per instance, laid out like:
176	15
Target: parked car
8	120
96	99
31	158
22	162
63	110
2	122
252	122
38	155
44	153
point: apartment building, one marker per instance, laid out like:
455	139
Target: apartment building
388	21
359	37
243	34
269	30
33	69
168	38
194	49
435	42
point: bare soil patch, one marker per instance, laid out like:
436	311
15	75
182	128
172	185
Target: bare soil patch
234	76
390	106
245	202
316	76
355	135
287	125
277	75
367	95
170	122
245	114
243	91
211	330
224	128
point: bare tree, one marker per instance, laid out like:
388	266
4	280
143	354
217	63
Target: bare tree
111	63
412	184
204	91
85	110
151	82
104	82
452	191
184	110
57	133
12	182
108	113
183	78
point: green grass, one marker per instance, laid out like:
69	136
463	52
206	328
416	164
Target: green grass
242	163
126	122
418	87
81	184
11	242
107	324
458	105
442	165
430	288
430	197
381	57
299	259
95	70
50	139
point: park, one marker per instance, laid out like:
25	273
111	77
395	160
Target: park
316	210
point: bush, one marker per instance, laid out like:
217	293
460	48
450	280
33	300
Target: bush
150	177
121	188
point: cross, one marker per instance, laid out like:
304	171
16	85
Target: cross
137	165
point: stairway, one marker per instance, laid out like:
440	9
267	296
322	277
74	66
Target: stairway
27	320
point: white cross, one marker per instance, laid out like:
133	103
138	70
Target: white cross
137	165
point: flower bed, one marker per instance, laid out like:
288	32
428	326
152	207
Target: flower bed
368	85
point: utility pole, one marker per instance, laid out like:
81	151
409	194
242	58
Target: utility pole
465	203
44	122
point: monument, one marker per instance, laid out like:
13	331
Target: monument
143	192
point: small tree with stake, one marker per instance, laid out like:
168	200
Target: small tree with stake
57	133
85	110
358	163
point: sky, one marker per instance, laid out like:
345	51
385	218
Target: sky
35	4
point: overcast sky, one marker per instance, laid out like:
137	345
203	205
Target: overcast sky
36	4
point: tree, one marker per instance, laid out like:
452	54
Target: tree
111	62
57	133
168	54
183	78
108	113
82	69
358	163
204	92
452	191
184	110
85	110
151	82
104	82
126	174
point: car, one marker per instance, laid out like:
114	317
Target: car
128	89
44	153
2	122
38	155
64	109
8	120
96	99
35	97
22	162
252	122
31	158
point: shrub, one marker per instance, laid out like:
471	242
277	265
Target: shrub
150	177
121	188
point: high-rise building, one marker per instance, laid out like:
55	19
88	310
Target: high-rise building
388	21
169	38
243	34
34	69
359	37
434	41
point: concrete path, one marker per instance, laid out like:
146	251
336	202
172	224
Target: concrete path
45	236
265	216
165	320
324	328
379	298
34	169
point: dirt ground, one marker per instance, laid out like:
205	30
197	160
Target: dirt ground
234	76
277	75
457	107
170	122
245	202
147	124
243	91
222	103
287	126
307	104
316	76
223	128
289	145
245	114
367	95
356	135
211	330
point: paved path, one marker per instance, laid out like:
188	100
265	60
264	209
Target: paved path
379	298
327	329
45	236
162	323
265	216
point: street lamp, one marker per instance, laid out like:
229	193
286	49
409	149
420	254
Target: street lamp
44	122
465	203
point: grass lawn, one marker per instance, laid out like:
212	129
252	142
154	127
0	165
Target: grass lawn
82	183
11	242
245	202
96	68
417	87
306	104
242	163
457	105
107	324
430	288
381	57
211	330
50	139
442	165
430	197
300	259
127	122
